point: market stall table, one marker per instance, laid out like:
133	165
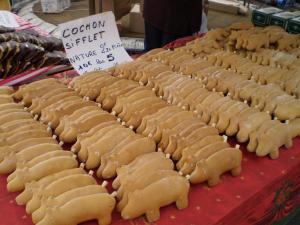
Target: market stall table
265	191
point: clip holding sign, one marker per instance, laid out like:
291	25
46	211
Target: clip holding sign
93	43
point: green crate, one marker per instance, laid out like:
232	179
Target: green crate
293	26
281	19
261	17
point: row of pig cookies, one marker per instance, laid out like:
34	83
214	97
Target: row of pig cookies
166	124
285	52
231	39
286	81
172	128
18	131
200	70
53	186
255	38
214	39
240	78
100	141
245	85
54	104
109	145
273	58
190	94
246	36
266	57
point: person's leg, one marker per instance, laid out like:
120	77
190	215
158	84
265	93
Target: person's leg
153	37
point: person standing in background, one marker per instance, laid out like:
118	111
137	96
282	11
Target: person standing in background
168	20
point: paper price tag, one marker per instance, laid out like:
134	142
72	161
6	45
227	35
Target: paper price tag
93	43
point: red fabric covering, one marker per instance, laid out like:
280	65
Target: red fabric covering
264	192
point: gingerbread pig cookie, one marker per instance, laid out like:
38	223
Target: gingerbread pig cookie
105	144
100	208
57	188
32	86
282	137
11	161
66	120
214	166
40	170
90	142
288	42
139	166
257	41
141	183
20	136
140	202
64	198
123	155
250	124
288	110
17	147
33	186
202	154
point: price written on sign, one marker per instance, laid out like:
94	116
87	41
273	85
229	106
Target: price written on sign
93	43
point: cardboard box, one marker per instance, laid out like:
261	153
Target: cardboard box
136	20
261	17
293	26
281	19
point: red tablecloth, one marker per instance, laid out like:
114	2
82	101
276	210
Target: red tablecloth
264	192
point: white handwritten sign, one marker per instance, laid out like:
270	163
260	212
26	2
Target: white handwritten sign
8	19
93	43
